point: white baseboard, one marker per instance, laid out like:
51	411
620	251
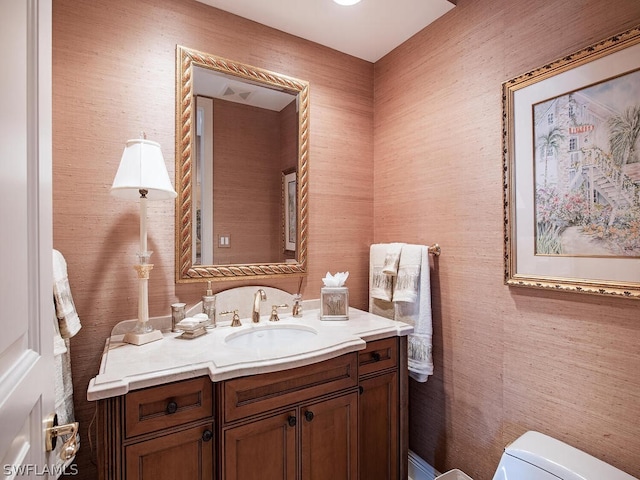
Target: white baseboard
419	469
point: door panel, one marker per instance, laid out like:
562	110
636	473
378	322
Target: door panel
330	439
184	455
26	321
261	450
378	427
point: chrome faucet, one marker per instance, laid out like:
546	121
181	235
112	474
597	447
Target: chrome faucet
257	297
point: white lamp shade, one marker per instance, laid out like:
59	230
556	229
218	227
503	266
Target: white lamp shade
142	167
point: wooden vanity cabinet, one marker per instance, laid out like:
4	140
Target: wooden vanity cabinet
294	424
339	419
316	441
164	432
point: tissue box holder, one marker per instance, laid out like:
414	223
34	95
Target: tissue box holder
334	303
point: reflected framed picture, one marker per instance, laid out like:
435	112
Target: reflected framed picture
289	205
571	166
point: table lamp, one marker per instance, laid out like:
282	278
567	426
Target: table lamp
142	174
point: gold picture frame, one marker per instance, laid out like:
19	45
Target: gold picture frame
571	192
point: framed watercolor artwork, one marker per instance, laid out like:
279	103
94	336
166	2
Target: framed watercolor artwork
571	166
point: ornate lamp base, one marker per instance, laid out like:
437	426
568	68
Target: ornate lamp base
143	331
142	338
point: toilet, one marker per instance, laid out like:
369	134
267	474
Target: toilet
535	456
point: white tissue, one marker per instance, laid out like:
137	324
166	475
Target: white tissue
337	280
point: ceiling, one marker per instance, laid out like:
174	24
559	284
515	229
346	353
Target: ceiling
368	30
210	83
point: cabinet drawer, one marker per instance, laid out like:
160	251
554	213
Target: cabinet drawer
256	394
168	405
379	355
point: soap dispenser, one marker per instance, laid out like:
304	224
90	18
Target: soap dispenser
209	306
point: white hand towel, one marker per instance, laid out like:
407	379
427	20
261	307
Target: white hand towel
418	314
64	386
407	284
381	284
67	324
59	345
392	259
63	396
68	319
411	304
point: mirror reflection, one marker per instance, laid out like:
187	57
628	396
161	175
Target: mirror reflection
241	170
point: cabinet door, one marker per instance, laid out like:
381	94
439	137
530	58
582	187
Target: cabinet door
183	455
261	450
330	439
378	411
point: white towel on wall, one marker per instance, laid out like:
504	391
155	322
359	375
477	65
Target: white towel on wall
392	259
67	324
411	304
407	285
65	308
59	345
63	397
64	387
383	256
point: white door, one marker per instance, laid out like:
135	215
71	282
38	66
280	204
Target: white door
26	305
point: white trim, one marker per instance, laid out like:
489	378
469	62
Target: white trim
419	469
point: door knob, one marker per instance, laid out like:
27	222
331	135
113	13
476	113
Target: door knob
292	421
53	431
308	415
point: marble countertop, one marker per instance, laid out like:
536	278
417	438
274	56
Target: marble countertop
126	367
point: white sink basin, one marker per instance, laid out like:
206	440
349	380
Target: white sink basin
279	337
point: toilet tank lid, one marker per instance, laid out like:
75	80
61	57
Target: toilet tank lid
562	460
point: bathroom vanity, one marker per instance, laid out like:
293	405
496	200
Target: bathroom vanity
332	405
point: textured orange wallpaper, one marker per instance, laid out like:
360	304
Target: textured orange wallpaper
506	360
114	76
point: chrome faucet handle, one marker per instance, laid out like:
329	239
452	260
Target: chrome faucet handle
235	322
274	312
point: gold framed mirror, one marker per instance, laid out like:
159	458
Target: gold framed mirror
240	213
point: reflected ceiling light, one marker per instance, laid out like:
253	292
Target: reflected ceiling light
346	2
